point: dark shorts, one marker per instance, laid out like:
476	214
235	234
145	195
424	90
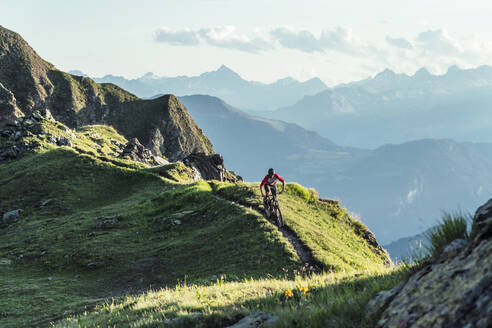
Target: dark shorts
271	188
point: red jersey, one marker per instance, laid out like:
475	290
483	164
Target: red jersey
271	180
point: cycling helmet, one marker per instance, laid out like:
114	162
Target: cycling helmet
271	171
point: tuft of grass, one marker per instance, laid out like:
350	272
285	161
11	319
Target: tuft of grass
295	189
452	226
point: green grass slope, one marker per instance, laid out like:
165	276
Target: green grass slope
95	227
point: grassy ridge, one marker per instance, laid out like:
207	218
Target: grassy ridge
95	226
326	228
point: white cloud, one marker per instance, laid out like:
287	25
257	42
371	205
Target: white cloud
435	49
438	42
340	39
228	37
183	37
302	40
399	42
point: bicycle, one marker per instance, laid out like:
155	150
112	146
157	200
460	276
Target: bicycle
272	209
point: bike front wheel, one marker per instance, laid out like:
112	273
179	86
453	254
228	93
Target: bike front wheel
278	214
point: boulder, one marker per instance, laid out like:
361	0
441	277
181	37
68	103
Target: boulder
255	320
210	167
11	216
137	152
5	262
182	214
63	141
454	290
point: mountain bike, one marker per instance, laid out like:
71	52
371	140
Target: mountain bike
272	209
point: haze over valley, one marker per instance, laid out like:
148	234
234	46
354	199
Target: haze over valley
235	164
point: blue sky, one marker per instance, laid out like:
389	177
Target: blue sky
338	41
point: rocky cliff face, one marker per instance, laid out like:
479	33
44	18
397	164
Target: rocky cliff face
8	106
454	290
28	84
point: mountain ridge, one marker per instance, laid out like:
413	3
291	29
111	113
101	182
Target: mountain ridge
377	110
223	83
398	188
31	84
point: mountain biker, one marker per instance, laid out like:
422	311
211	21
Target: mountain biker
270	181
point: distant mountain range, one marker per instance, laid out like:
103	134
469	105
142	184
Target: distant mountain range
407	248
395	108
223	83
399	190
252	144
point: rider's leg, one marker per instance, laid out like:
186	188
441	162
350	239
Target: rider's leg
274	191
267	191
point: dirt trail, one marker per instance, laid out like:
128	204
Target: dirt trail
303	251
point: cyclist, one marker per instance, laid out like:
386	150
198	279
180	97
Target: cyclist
269	182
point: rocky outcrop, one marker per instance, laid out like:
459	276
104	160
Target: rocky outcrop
23	72
9	111
135	151
454	290
210	167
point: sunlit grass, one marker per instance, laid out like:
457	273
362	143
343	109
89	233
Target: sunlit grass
452	226
335	299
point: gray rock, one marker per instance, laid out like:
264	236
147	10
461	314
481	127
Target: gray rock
380	300
137	152
177	222
36	115
451	291
255	320
182	214
210	167
45	203
63	141
160	161
11	216
108	223
5	262
52	140
92	265
453	248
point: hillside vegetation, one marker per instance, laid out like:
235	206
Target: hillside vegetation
96	226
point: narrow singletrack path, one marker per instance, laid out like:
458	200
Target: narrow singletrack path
303	251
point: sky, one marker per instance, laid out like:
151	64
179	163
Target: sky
262	40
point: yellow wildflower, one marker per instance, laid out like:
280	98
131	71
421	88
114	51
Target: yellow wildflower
305	290
288	293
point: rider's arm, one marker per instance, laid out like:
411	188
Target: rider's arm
282	180
263	182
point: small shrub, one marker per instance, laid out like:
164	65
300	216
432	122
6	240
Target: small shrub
451	227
